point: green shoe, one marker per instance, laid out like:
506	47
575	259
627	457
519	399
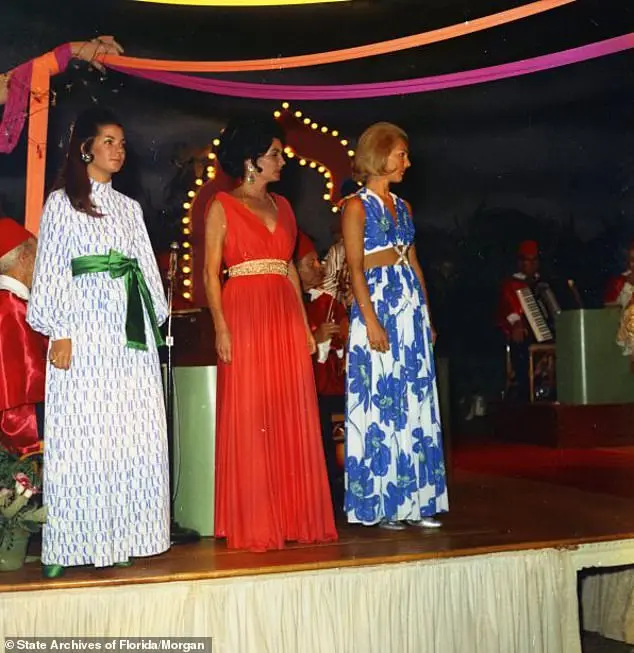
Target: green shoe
52	571
126	563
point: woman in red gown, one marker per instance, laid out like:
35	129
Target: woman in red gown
271	481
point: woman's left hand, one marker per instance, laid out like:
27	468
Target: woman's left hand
433	336
310	341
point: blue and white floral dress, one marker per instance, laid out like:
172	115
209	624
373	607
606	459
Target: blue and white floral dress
394	465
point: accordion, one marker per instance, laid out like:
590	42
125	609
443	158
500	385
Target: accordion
540	308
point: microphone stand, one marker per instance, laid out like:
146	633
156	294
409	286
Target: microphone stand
178	534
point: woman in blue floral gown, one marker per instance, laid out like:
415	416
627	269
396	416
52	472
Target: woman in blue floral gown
394	467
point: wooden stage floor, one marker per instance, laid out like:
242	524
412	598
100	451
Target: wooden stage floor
488	514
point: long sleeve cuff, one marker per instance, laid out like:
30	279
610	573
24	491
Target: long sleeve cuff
323	349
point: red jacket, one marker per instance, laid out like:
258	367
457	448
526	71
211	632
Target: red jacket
22	375
613	289
329	376
509	304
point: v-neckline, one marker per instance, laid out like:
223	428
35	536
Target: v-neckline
393	216
257	217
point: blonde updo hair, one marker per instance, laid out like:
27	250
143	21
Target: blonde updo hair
373	149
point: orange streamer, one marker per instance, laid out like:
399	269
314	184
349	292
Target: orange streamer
43	68
347	54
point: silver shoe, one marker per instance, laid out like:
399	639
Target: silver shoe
390	525
426	522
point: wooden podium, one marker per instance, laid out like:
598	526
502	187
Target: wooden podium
591	368
595	389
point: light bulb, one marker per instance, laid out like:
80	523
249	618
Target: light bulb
186	270
187	206
324	130
312	164
344	142
350	152
187	295
314	126
199	182
186	220
277	114
186	245
191	193
216	142
298	114
187	282
285	105
321	169
326	196
335	133
302	162
186	257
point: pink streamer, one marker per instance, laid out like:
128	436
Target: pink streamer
14	114
385	89
15	109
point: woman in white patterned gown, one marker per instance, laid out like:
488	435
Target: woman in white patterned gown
97	294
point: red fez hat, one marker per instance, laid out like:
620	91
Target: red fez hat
11	235
528	249
304	246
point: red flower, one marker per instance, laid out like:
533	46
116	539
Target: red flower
23	484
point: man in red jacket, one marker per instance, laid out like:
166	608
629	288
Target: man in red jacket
620	289
22	350
511	319
328	320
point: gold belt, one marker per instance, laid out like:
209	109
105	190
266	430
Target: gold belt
259	266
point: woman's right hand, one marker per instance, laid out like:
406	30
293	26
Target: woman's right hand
223	345
60	353
377	337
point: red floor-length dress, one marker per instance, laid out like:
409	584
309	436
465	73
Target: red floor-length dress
271	481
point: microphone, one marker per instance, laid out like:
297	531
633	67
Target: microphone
171	272
575	293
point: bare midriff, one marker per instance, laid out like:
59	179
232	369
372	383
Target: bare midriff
384	257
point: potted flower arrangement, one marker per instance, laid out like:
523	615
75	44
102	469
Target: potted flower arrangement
21	512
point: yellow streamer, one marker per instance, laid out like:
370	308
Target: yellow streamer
239	3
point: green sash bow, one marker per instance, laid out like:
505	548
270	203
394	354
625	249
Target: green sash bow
138	293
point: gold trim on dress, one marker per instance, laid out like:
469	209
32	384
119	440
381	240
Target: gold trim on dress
259	266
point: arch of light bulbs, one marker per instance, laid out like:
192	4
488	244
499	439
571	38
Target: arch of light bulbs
186	258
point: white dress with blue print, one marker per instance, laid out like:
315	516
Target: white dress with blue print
394	463
106	482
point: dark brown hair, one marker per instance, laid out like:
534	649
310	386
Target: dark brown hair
73	177
246	138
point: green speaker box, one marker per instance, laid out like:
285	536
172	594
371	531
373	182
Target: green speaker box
194	447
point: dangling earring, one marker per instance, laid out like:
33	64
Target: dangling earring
87	157
250	176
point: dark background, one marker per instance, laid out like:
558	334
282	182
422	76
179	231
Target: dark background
547	156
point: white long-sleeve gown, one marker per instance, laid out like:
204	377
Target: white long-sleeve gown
106	480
